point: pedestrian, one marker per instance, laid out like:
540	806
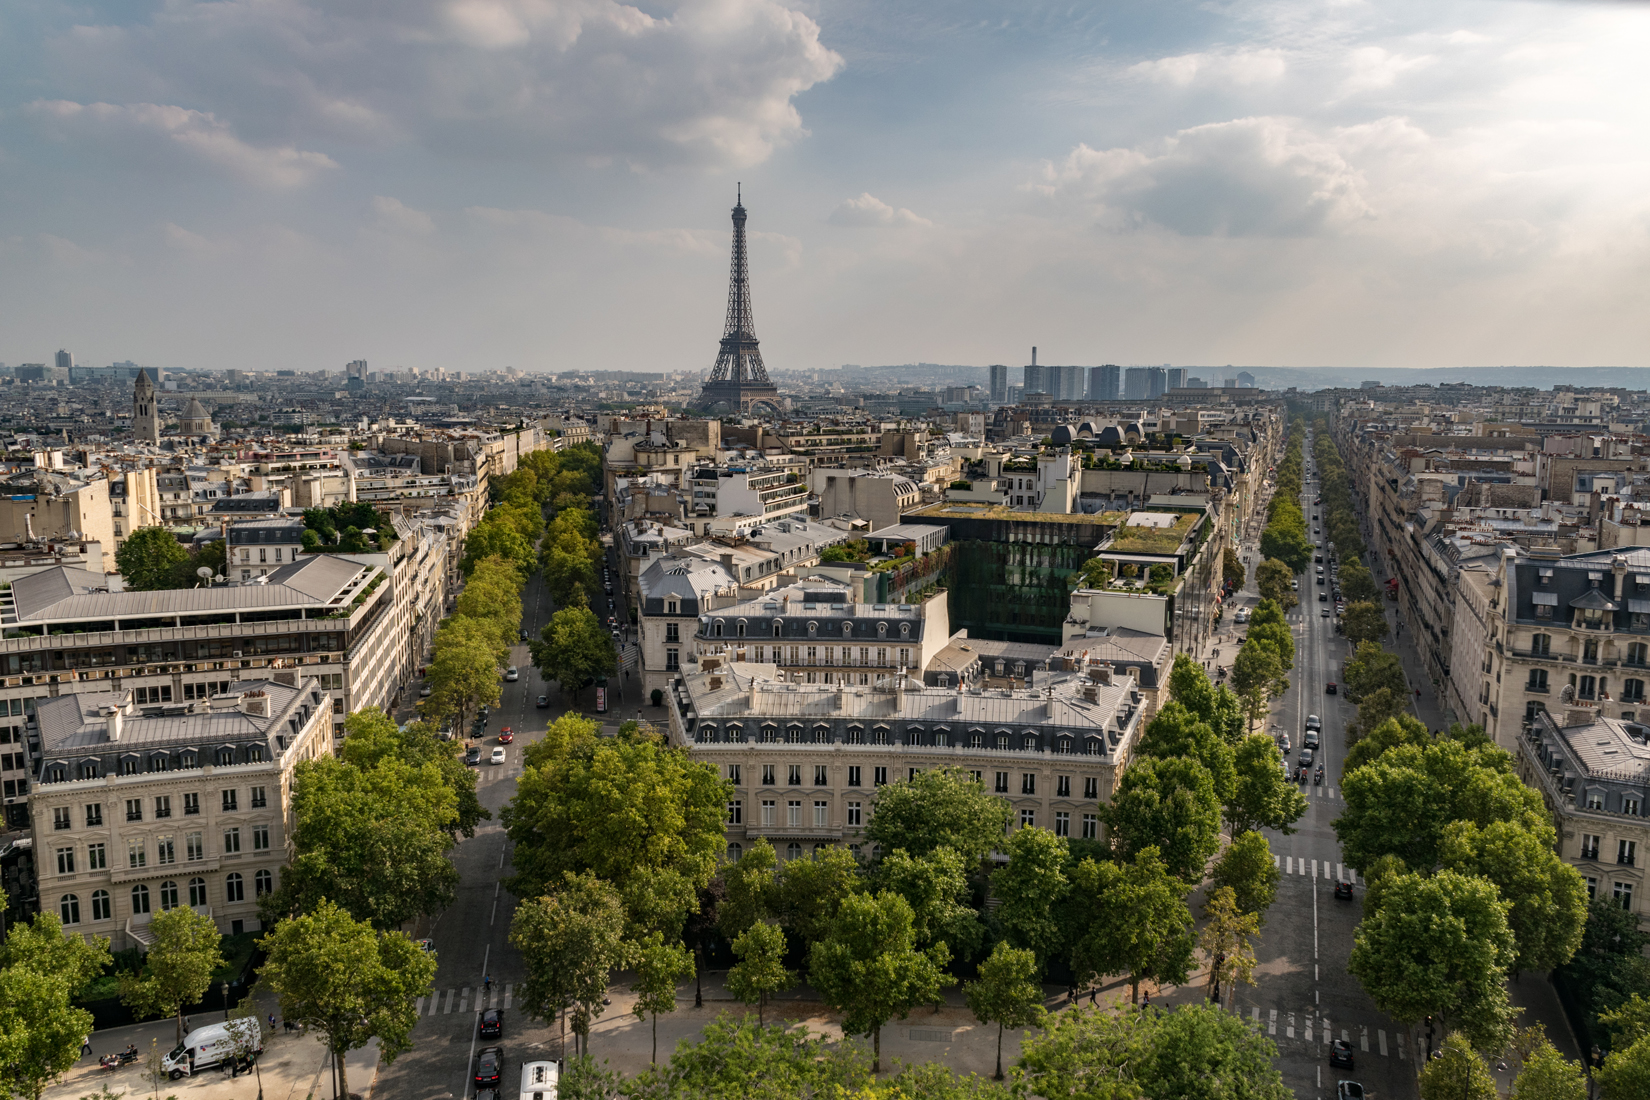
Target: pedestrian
272	1021
85	1046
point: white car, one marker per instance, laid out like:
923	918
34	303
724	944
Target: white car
498	756
1242	616
511	674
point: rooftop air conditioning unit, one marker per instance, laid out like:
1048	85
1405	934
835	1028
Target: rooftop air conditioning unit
235	653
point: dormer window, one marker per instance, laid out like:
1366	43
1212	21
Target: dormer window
847	629
671	607
904	630
813	629
882	630
778	628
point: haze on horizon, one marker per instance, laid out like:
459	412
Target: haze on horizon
545	184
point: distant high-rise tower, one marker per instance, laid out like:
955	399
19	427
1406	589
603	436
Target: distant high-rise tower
65	361
1157	381
738	380
356	368
1177	378
999	384
1036	377
1104	383
1136	383
145	417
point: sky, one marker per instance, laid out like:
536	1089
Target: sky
546	184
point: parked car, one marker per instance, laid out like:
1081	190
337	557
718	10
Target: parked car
498	756
473	756
1242	616
490	1068
1283	742
543	703
424	692
492	1024
1340	1054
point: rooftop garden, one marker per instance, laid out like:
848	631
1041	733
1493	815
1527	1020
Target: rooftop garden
1154	540
343	529
972	510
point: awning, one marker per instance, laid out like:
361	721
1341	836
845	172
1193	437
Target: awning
1544	599
1639	607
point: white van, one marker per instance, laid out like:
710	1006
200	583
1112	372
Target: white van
539	1080
213	1045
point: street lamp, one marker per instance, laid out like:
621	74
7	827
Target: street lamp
226	1000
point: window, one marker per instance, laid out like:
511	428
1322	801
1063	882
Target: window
767	812
853	775
1623	894
163	805
197	893
1091	787
260	838
231	800
1632	691
793	850
793	813
767	775
140	898
1028	782
1000	785
94	814
168	896
97	857
149	696
100	905
793	775
911	773
1627	852
1543	610
736	812
1062	823
68	907
733	769
1538	680
854	809
1589	846
263	883
165	850
137	854
258	797
60	818
134	809
234	887
1062	786
1630	806
821	814
1587	688
821	776
1091	826
1595	800
673	635
231	841
191	804
1028	818
65	861
193	846
879	776
1541	645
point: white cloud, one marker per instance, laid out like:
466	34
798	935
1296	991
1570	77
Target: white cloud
161	133
396	216
868	211
1235	67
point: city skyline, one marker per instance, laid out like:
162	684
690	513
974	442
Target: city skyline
1288	184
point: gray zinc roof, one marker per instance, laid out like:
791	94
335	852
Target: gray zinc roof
64	594
74	723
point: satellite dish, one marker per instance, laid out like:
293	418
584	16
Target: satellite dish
204	572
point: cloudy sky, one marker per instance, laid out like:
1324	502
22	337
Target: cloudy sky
546	183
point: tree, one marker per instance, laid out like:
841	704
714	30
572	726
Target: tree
150	558
1287	541
1007	993
210	555
751	888
372	840
633	810
1190	686
1364	622
492	595
1095	573
497	540
1248	869
1402	729
1176	731
1132	919
178	967
1273	578
1357	583
1456	1072
869	969
809	891
41	972
1262	796
936	887
739	1059
1255	674
939	807
1609	969
570	941
1030	890
1170	807
371	736
1439	946
1547	896
464	672
348	980
660	968
574	649
1225	941
1548	1075
1626	1073
760	970
1199	1052
1231	569
1372	668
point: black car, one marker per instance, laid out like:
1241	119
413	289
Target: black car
473	756
1348	1090
1343	889
1323	597
490	1067
1329	688
492	1024
1340	1054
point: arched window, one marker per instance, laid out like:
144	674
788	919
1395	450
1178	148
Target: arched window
100	905
822	735
741	628
882	630
263	883
197	893
140	899
735	851
735	734
793	850
717	629
778	628
234	887
68	907
168	896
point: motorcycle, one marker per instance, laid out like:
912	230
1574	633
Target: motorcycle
1317	778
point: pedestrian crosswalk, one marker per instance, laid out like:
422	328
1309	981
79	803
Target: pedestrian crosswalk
1298	865
1311	1026
467	999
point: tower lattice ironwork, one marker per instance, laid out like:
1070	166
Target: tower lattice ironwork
738	379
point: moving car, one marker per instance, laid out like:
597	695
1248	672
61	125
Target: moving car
497	757
1306	757
1323	612
506	735
490	1068
511	674
1343	889
543	703
1242	616
1320	583
1348	1090
473	756
1340	1054
1329	688
1310	741
492	1024
424	692
1313	722
1323	597
1283	742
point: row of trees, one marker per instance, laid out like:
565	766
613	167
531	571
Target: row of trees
1260	672
573	648
1285	537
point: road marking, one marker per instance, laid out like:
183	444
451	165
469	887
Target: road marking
452	1000
1272	1023
1327	1030
1314	868
1289	868
1380	1034
418	1007
1309	1028
1340	872
1326	869
1398	1040
507	993
1363	1038
1289	1026
464	1000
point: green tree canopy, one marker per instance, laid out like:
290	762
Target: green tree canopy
1364	622
1190	686
743	1060
1007	993
371	736
808	892
1456	1072
463	676
1548	1075
1247	867
1255	676
1031	889
1175	731
750	890
41	971
347	980
571	936
661	966
1231	567
760	971
936	887
1131	918
1170	807
1262	796
178	967
939	807
574	649
1273	578
150	559
1357	583
1547	895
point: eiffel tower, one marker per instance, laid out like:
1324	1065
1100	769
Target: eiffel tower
739	380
